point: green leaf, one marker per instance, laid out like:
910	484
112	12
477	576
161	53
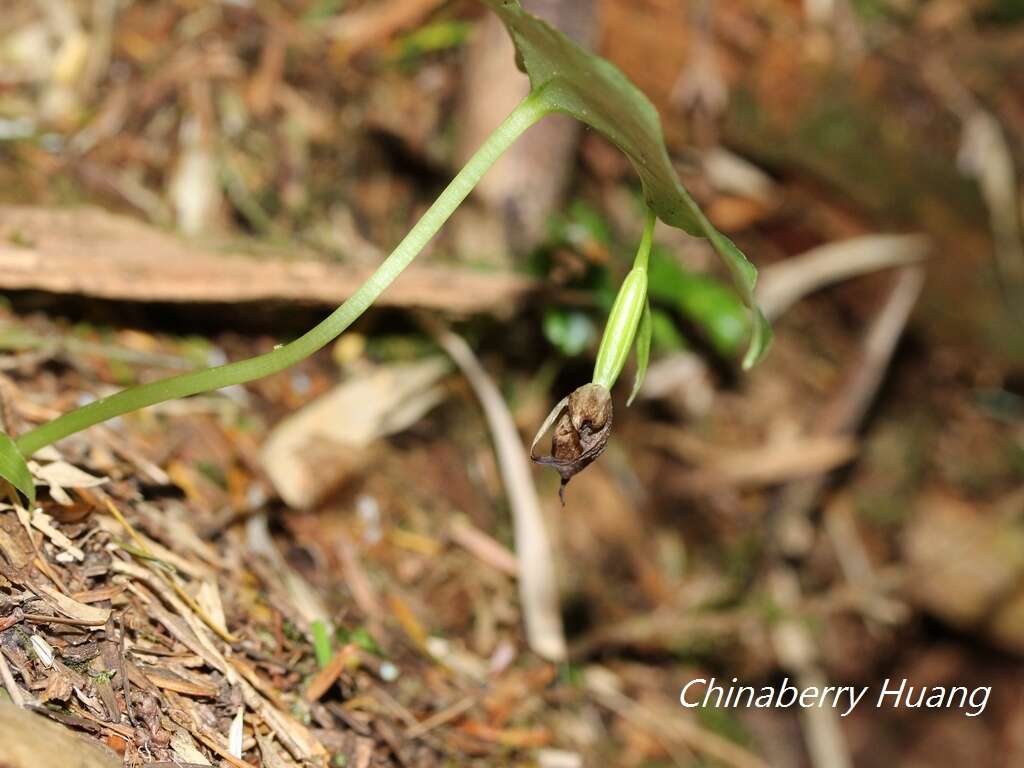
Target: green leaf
439	36
570	330
643	351
704	300
14	470
571	80
665	337
321	642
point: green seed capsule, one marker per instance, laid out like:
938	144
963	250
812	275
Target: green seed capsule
621	328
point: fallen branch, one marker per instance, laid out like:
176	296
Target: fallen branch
89	252
793	642
782	285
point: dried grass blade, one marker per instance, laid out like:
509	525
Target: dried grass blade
538	590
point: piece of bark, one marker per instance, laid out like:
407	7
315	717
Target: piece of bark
313	451
89	252
28	740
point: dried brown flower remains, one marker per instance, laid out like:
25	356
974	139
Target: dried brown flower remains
582	422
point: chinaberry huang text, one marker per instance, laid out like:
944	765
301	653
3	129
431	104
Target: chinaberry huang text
709	692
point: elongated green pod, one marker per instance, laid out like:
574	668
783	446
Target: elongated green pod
620	331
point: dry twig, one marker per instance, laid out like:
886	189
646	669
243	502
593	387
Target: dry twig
537	587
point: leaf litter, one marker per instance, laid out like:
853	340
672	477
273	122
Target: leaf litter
182	632
214	633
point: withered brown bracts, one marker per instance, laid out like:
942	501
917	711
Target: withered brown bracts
582	422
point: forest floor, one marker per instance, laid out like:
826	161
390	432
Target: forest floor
222	581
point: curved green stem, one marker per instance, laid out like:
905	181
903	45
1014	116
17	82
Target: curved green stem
529	111
643	253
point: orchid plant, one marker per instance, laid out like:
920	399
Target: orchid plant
564	78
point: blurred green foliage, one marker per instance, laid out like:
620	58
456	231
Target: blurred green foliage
679	298
571	331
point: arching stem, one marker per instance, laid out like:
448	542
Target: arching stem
529	111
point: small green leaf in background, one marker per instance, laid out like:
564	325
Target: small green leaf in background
432	38
361	637
596	92
322	10
570	330
704	300
665	337
14	470
643	351
583	227
321	642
